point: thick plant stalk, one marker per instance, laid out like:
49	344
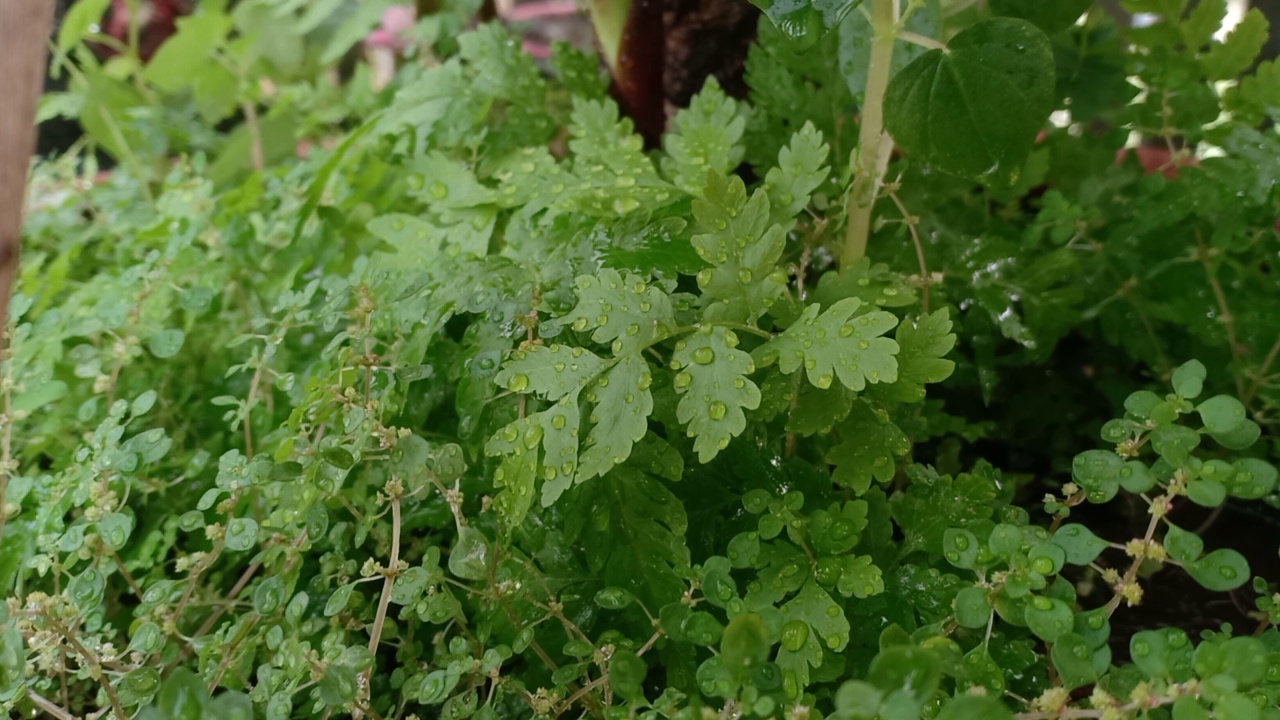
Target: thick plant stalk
874	144
24	34
632	38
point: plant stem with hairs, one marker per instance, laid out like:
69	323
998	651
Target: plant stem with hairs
874	144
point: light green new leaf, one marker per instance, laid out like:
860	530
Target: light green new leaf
1221	570
557	373
552	372
559	425
802	167
516	475
530	178
1225	420
707	135
870	446
836	344
1188	379
447	184
738	239
923	344
623	403
415	240
1202	22
1164	653
873	284
78	21
501	69
613	175
1256	96
938	106
714	387
1234	55
626	312
555	430
1182	545
183	58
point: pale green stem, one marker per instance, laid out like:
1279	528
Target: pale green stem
874	144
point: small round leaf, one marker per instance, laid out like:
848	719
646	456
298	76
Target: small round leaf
973	607
1220	570
166	343
1188	380
242	533
1081	545
1049	618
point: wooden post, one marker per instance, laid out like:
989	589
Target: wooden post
25	27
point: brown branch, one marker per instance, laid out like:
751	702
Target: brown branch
93	664
47	705
1131	575
25	26
389	580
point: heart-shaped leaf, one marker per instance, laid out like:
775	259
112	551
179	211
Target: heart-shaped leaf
975	108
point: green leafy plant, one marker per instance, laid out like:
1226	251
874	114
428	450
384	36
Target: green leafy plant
488	412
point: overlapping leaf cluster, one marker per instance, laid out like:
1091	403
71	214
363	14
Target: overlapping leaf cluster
487	411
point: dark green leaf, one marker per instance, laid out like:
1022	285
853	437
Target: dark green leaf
745	644
935	107
1050	17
